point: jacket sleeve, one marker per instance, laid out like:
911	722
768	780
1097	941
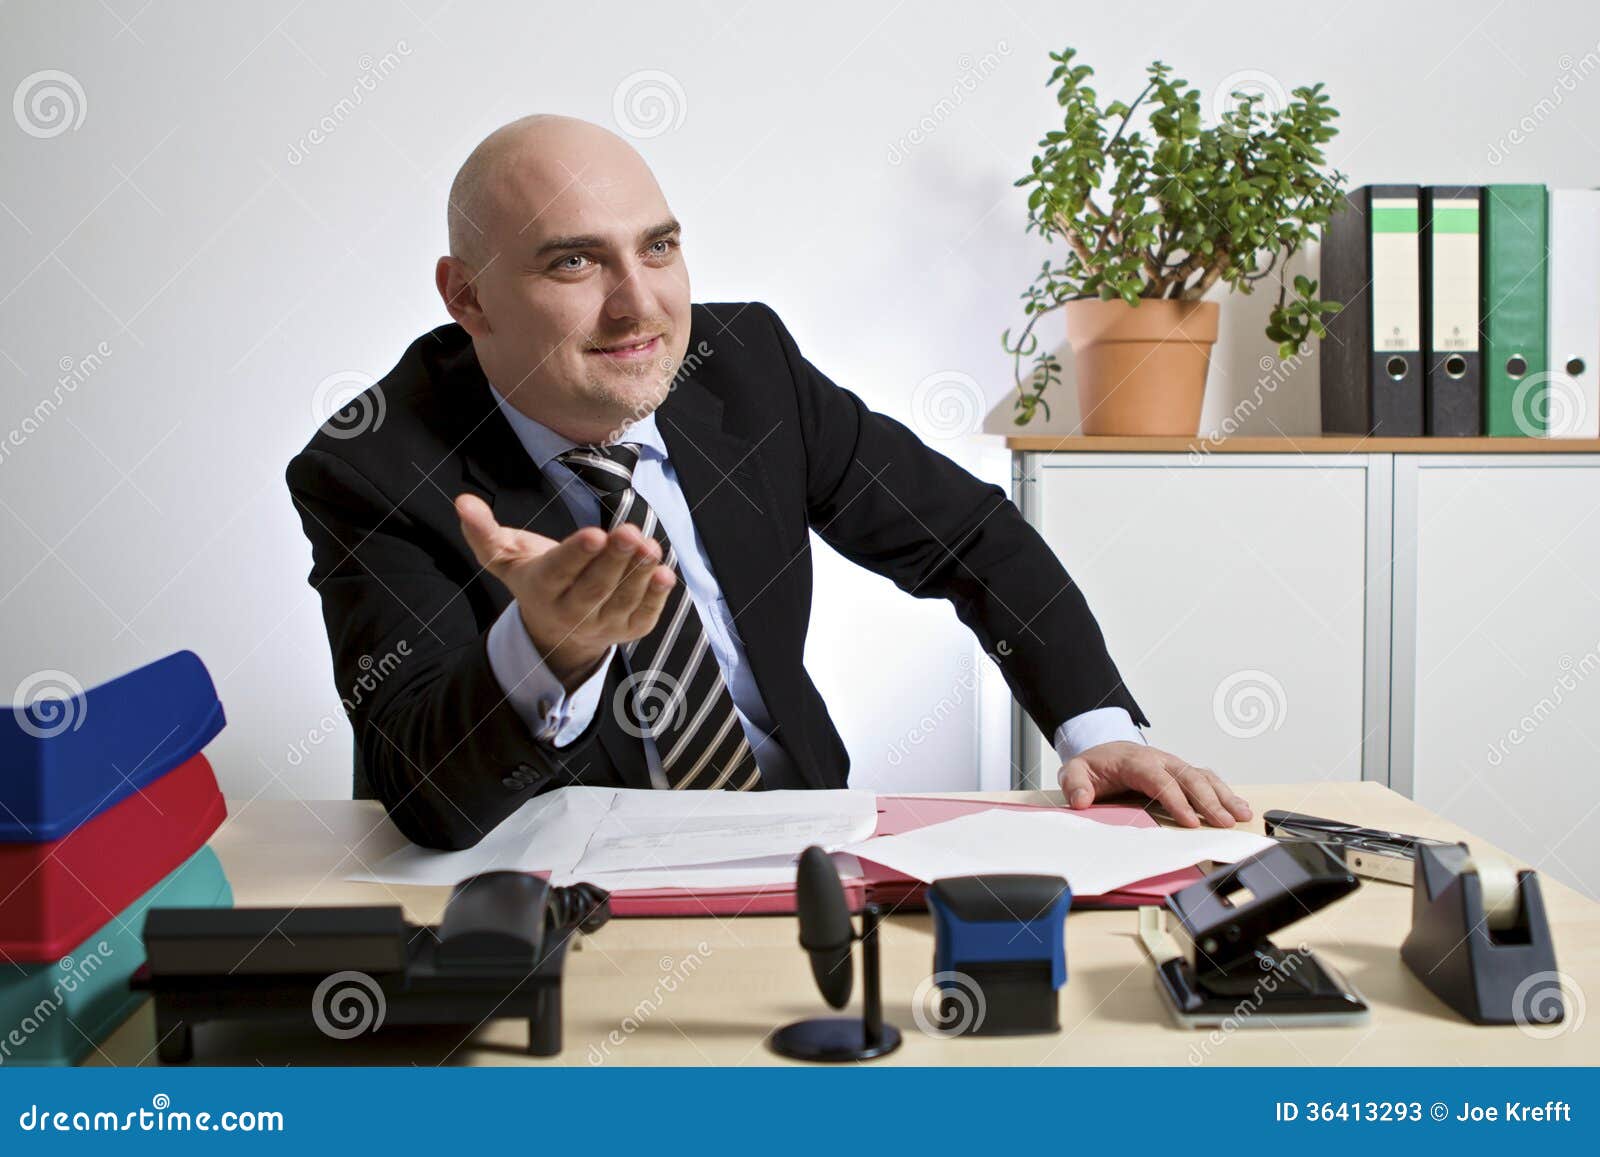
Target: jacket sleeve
441	743
886	501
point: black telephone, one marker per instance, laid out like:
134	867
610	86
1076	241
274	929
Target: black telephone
497	951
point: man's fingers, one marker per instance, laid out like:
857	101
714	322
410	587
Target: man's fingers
1202	792
1162	786
1076	786
1232	800
625	548
644	616
619	607
565	561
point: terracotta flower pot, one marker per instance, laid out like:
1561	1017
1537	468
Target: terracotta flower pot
1141	369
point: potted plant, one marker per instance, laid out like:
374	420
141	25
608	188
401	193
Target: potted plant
1152	217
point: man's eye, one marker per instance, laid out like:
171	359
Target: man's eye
664	246
566	268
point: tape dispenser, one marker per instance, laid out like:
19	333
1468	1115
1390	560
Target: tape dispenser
1479	938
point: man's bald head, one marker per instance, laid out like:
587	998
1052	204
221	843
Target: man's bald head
566	269
517	169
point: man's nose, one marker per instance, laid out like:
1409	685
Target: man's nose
631	295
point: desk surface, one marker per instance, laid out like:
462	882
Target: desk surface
707	990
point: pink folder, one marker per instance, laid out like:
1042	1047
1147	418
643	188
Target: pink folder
894	890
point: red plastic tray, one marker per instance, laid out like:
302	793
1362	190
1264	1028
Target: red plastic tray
54	894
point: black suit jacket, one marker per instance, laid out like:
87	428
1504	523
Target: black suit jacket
767	450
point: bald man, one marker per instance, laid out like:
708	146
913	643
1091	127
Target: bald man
566	540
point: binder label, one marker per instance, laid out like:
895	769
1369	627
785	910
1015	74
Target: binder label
1396	275
1455	275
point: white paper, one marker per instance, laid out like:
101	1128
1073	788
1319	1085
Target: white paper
649	829
591	833
1094	858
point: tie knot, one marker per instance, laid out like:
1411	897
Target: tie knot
604	469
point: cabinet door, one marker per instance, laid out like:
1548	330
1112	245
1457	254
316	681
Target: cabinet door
1498	568
1230	589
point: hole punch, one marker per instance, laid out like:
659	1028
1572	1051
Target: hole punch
1232	972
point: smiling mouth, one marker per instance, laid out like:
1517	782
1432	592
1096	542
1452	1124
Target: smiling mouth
627	351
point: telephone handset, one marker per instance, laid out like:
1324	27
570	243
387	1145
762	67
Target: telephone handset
500	919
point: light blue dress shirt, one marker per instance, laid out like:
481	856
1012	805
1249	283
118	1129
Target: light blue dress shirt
557	716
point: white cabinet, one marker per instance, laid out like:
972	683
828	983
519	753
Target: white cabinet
1429	620
1231	590
1498	691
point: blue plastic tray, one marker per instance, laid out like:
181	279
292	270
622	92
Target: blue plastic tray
63	761
55	1014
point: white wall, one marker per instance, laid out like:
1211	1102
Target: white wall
851	165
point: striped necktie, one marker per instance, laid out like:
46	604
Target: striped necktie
674	692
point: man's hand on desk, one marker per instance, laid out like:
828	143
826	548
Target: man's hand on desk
1187	792
578	597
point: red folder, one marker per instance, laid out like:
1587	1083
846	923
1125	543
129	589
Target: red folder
54	894
887	887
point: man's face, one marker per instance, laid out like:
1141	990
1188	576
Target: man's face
587	300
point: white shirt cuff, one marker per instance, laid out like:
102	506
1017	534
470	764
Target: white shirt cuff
554	715
1092	728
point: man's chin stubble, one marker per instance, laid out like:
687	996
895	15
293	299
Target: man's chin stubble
625	402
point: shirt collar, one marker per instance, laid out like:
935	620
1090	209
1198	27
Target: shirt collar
544	445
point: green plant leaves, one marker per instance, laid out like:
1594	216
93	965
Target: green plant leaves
1170	207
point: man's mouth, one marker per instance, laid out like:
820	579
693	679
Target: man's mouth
631	350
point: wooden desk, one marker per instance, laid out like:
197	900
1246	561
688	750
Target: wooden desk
706	991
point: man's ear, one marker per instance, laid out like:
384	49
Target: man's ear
455	281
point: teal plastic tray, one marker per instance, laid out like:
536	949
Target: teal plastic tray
55	1014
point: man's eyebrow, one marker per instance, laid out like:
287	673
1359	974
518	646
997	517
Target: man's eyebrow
590	241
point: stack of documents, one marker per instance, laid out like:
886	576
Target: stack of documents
733	853
625	839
